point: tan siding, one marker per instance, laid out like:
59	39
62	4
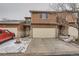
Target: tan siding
52	17
43	26
36	18
8	25
71	18
11	27
15	28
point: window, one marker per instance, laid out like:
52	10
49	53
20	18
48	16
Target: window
44	16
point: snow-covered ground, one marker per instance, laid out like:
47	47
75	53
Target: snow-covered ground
11	47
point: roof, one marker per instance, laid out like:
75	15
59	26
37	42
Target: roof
27	17
11	21
39	11
45	23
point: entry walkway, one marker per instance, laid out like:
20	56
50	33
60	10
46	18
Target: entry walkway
51	47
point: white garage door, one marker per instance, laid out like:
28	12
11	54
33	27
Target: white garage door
14	30
73	32
44	32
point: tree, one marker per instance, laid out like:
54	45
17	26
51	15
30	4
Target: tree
67	7
75	8
63	6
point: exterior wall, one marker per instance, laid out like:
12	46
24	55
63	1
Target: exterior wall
51	18
8	25
15	28
73	31
22	30
12	28
46	28
43	25
70	18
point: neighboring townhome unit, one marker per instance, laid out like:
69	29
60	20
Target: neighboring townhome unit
16	26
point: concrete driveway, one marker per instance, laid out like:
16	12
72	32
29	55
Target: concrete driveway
51	47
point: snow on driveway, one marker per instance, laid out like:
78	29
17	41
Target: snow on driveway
11	47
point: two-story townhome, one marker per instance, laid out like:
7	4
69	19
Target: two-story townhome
51	24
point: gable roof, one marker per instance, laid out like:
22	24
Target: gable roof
27	17
39	11
11	21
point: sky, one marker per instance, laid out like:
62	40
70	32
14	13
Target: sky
17	11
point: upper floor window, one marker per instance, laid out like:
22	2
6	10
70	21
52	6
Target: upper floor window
44	16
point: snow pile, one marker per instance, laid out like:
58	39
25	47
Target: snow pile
67	38
11	47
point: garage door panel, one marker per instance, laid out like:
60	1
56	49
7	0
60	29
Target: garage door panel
44	32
